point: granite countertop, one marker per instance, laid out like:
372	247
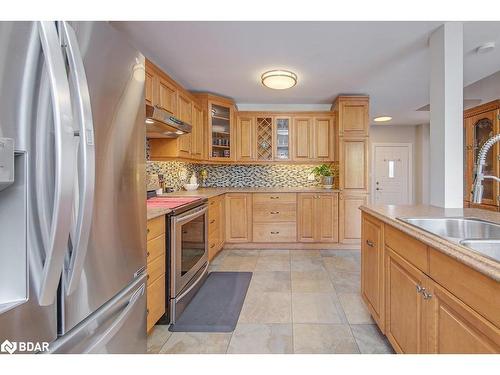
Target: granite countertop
213	192
390	213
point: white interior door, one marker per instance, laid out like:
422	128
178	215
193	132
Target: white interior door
392	174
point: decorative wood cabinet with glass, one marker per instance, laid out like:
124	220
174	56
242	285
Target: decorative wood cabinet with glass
481	123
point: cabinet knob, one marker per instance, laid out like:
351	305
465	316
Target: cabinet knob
275	232
212	221
426	294
147	231
212	246
274	212
275	197
147	253
419	288
370	243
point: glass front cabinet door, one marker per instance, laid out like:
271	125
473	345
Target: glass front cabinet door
282	138
220	125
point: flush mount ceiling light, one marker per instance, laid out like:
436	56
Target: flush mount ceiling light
382	119
486	47
279	79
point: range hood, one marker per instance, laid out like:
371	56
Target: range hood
161	124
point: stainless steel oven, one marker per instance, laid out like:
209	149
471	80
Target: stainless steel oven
188	256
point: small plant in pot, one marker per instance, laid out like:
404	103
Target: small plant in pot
325	173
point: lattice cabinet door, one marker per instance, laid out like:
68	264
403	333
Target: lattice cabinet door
264	138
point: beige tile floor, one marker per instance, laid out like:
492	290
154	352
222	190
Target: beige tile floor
299	301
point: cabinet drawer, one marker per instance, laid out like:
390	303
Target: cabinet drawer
156	268
274	212
276	232
473	288
409	248
213	224
155	301
156	247
267	198
213	205
155	227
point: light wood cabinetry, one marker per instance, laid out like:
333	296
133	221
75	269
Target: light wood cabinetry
317	217
155	258
372	259
352	115
404	305
149	87
216	225
323	138
245	138
238	217
302	138
197	135
426	307
354	164
274	217
166	97
481	123
350	216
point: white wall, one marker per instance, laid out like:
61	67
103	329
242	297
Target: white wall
418	136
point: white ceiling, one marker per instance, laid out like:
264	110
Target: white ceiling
387	60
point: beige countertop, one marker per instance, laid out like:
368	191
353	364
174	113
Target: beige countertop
213	192
390	213
153	212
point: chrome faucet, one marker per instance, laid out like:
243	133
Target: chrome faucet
477	192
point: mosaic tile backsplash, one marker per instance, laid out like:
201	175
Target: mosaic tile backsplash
176	173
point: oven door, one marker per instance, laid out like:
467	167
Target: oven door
189	247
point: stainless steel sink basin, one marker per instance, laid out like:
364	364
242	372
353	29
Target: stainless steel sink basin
489	248
457	229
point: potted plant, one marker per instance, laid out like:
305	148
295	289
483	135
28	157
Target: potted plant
326	173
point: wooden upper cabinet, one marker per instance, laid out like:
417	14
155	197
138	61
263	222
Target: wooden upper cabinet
185	108
197	133
149	87
238	217
317	217
167	96
303	138
323	138
372	267
405	327
353	115
245	138
354	164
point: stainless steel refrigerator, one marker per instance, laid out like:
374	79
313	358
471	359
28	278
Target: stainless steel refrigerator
72	191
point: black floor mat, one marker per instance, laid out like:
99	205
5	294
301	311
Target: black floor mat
217	305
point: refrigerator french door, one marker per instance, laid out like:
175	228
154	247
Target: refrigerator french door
72	212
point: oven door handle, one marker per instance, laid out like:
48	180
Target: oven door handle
188	217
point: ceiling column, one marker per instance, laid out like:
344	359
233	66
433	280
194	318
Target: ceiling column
446	116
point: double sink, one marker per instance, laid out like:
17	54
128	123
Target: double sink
479	235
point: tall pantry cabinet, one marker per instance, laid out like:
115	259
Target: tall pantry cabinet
353	131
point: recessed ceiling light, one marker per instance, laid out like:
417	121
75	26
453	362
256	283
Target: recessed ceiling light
382	119
486	47
279	79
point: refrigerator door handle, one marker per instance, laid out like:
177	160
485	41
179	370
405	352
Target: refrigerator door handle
117	324
85	198
64	163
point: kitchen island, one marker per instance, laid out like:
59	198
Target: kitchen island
428	293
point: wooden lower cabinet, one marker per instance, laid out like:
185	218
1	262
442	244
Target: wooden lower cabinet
274	217
156	265
216	225
238	217
350	216
430	302
453	327
404	306
372	259
317	217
